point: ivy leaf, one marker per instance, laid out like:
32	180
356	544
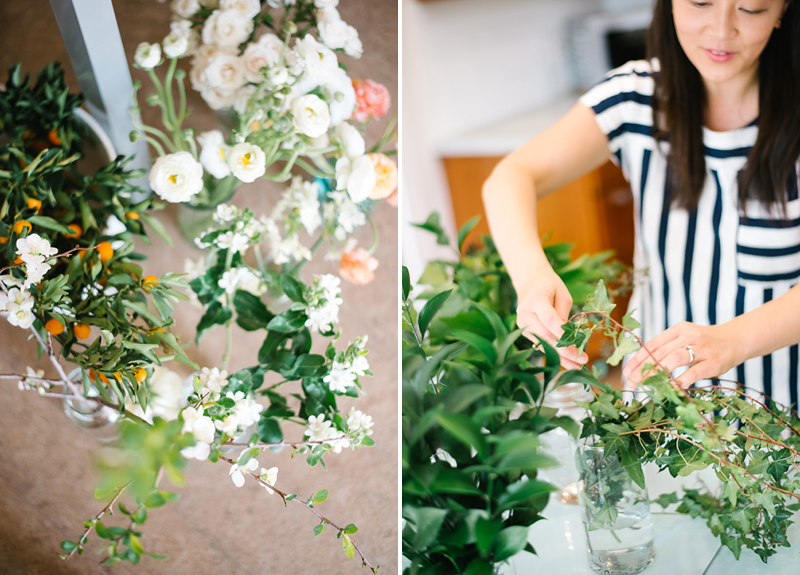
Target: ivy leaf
628	322
613	440
633	466
599	301
623	346
731	491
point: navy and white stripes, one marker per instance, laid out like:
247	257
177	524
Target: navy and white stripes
716	262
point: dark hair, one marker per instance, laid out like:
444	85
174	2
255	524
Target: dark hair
680	99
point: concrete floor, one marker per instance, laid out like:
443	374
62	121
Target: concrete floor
46	470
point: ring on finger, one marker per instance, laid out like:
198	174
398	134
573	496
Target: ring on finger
691	354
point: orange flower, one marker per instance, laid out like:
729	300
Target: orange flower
357	266
385	176
372	100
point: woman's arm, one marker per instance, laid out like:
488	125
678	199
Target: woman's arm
719	348
572	147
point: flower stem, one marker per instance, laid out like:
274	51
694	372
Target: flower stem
375	236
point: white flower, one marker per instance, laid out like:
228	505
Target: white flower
185	8
236	471
194	269
175	45
225	213
310	115
228	425
269	477
176	177
330	286
19	304
326	3
199	451
278	76
199	425
210	4
226	28
357	177
350	140
240	278
358	421
217	98
354	48
35	273
247	409
322	318
242	98
315	59
260	54
147	55
10	281
212	380
360	365
247	162
233	241
340	378
280	3
34	249
167	389
317	427
340	93
289	249
336	440
214	153
333	31
226	72
249	9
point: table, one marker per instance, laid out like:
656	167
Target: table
684	546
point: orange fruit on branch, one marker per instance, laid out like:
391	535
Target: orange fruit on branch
77	231
105	250
81	330
54	327
20	225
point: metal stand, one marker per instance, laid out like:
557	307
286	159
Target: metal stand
90	32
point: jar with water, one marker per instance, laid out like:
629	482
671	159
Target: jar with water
615	512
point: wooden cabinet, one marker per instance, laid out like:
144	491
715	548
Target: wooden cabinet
595	212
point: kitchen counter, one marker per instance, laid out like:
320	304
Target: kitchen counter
503	137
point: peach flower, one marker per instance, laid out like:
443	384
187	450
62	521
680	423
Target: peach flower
385	176
394	199
357	266
372	100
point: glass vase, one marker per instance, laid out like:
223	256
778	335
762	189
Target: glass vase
615	512
98	420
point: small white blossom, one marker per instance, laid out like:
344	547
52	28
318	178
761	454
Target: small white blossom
147	56
359	422
198	424
269	477
233	241
237	471
317	427
19	305
212	380
199	451
225	213
340	378
194	269
34	249
247	409
228	425
240	278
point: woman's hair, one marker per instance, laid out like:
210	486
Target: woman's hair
680	99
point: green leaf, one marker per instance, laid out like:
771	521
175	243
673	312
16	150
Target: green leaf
319	528
633	465
522	491
406	284
464	429
510	541
429	310
216	314
320	496
599	301
486	531
251	313
350	529
622	347
269	430
433	225
136	545
348	547
292	288
155	499
157	227
466	229
479	567
288	321
482	345
457	400
140	516
628	322
68	545
428	523
50	224
102	532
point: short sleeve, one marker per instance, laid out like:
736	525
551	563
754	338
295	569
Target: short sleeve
621	105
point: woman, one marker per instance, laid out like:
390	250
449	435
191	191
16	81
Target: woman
715	193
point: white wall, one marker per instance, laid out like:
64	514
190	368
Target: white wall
466	65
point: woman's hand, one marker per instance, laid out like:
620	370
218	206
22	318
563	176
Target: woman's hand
714	348
544	306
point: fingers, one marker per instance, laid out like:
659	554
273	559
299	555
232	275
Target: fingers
697	372
656	350
571	358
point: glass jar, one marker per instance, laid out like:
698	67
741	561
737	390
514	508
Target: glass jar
99	420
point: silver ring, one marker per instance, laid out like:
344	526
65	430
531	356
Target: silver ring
691	353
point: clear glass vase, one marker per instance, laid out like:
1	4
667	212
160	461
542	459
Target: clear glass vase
615	512
98	420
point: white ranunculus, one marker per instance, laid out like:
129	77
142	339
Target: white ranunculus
176	177
226	28
326	3
217	98
357	177
255	57
214	153
202	58
248	8
354	48
225	71
350	139
310	115
341	106
333	31
175	45
315	59
185	8
242	98
247	162
147	55
278	76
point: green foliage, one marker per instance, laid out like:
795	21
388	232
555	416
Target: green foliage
752	443
470	488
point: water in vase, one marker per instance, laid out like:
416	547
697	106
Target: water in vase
625	547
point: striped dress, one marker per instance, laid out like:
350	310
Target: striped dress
713	263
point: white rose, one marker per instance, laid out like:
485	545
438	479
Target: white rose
248	8
226	28
248	162
255	57
217	98
175	45
315	59
202	58
147	56
242	98
350	139
185	8
176	177
225	71
326	3
310	115
354	48
333	31
357	177
341	108
214	153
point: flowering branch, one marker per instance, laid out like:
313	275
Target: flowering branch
94	520
323	519
293	445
